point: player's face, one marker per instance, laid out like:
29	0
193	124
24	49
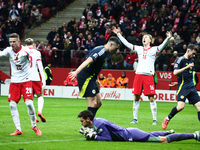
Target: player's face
84	122
113	48
14	43
146	40
191	54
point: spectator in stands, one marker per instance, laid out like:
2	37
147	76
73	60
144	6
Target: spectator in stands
34	16
162	61
48	54
80	42
134	26
70	25
101	40
69	35
107	64
57	46
184	7
172	60
154	19
142	21
51	35
130	13
117	60
177	38
188	21
67	51
137	18
129	60
4	12
102	79
179	47
87	10
69	82
193	27
152	10
81	23
10	3
126	27
93	30
37	45
13	12
110	81
108	12
122	82
171	44
131	38
163	12
102	2
19	25
142	11
92	20
2	39
60	29
121	18
20	6
94	6
99	12
108	34
25	14
193	41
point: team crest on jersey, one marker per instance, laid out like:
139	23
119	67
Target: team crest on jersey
176	65
182	97
94	91
151	87
95	55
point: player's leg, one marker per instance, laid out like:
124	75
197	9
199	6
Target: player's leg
180	106
136	105
153	107
163	133
14	97
197	106
194	99
92	104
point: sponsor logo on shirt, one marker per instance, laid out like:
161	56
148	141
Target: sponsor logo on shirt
95	55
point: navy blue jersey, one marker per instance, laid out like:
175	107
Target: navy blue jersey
98	54
186	77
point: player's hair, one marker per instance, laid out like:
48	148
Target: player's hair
115	40
192	47
29	41
14	35
150	36
85	114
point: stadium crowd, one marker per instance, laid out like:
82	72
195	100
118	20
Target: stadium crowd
69	45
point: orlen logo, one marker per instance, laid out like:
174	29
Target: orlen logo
165	75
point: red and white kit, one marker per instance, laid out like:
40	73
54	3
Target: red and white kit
35	64
21	83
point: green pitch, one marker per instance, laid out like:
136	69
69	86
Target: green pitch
60	132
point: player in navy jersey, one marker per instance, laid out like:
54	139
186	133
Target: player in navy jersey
103	130
87	73
183	69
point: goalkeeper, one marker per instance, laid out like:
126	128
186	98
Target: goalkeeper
102	130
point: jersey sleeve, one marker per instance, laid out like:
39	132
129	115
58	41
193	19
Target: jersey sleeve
103	134
4	52
96	54
125	42
177	63
161	46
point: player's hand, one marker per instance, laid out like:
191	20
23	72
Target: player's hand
173	84
115	30
43	84
190	65
72	75
169	33
90	134
98	84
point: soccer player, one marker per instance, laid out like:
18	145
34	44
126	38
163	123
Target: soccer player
38	85
103	130
183	69
21	83
145	70
87	73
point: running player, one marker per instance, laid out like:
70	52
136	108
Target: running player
38	85
87	73
21	83
144	73
104	130
183	69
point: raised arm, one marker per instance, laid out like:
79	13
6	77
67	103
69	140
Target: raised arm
122	39
161	46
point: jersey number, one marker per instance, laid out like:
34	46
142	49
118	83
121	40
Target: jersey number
28	90
144	56
31	61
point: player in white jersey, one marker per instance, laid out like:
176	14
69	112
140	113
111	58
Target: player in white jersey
144	80
21	83
38	85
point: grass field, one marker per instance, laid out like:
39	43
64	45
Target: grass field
60	132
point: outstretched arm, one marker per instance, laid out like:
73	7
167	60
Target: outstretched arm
124	41
161	46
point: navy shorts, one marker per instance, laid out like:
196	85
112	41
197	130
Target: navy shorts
189	93
87	87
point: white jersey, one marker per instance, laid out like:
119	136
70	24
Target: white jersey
34	57
20	69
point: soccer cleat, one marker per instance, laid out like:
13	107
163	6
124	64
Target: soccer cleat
17	132
134	121
165	123
37	120
154	122
41	117
197	135
37	131
171	131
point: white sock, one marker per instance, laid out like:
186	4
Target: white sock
136	105
31	112
40	103
153	106
15	115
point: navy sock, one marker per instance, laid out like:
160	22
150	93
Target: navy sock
199	115
173	112
179	137
93	110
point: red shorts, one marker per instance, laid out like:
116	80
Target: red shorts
18	89
37	87
145	83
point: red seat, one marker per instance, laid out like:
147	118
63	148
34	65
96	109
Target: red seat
46	13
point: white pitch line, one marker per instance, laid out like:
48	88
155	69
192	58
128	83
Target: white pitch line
46	141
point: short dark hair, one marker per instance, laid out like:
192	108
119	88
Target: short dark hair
14	35
85	114
115	39
29	41
192	47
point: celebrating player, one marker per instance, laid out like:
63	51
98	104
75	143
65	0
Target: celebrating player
104	130
21	83
36	63
144	73
87	73
183	69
